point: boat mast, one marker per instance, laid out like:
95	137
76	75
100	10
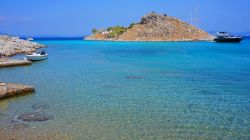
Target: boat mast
191	17
194	16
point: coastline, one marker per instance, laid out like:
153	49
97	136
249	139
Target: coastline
106	40
91	38
10	46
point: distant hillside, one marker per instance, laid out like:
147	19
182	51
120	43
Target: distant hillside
152	27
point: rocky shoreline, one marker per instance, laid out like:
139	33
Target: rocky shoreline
152	27
10	46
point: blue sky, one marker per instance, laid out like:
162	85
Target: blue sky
78	17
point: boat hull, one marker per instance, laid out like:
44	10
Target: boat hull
235	40
36	57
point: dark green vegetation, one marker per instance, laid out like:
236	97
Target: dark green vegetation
131	25
113	31
116	31
94	31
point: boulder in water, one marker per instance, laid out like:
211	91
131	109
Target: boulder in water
34	117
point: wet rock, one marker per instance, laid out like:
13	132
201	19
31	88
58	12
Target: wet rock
15	120
13	89
34	117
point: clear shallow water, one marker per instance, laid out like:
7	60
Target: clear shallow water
124	90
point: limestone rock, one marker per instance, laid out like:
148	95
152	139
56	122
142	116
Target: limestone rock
34	117
10	46
155	27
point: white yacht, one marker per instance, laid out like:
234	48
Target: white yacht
226	37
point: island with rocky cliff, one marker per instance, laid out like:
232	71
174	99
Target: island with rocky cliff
152	27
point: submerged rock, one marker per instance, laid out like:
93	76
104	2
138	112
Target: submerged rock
34	117
40	107
12	89
134	77
207	92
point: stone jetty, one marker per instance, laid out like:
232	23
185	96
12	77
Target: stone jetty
12	89
13	62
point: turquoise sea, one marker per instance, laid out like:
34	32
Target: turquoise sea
134	90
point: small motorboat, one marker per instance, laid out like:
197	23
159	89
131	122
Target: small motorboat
40	55
30	39
226	37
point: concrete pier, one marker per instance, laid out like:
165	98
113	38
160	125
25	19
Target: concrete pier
12	89
13	62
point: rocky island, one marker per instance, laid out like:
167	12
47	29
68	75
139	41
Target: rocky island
10	46
152	27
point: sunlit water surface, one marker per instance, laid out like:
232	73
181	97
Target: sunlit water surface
126	90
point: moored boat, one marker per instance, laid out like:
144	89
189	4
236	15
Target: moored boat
30	39
37	56
226	37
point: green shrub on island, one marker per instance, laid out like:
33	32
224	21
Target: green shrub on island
94	31
111	31
131	25
116	31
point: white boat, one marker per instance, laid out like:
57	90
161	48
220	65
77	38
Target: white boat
30	39
226	37
37	56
